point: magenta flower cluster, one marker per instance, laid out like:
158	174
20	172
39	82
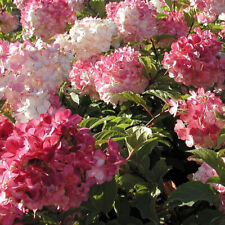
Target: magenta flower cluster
51	161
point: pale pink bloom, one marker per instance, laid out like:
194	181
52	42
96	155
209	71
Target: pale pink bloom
45	18
120	71
88	37
135	19
30	73
8	22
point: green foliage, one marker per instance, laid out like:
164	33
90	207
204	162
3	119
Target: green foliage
191	192
214	160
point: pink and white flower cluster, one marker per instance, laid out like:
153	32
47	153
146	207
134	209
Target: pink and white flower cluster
8	23
198	124
88	37
203	173
193	60
107	75
51	161
45	18
174	24
208	8
134	19
30	76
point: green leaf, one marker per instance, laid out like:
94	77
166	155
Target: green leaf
146	205
75	97
137	137
170	4
164	95
103	196
221	138
101	121
159	171
138	99
99	7
149	67
191	192
206	217
189	18
88	122
128	181
212	159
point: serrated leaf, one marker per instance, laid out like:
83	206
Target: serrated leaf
137	137
164	95
138	99
191	192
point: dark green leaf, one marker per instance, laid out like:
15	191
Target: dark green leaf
191	192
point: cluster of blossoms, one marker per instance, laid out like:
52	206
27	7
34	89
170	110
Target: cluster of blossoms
51	161
203	174
208	9
134	19
30	76
88	37
193	60
107	75
8	22
198	124
45	18
174	24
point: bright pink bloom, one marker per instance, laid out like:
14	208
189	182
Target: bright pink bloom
45	18
198	124
174	24
209	6
135	19
193	60
51	161
82	77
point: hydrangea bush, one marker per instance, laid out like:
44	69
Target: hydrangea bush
112	112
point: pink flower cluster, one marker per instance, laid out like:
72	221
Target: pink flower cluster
198	124
203	174
174	24
8	22
193	60
208	9
30	75
107	75
135	19
45	18
51	161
